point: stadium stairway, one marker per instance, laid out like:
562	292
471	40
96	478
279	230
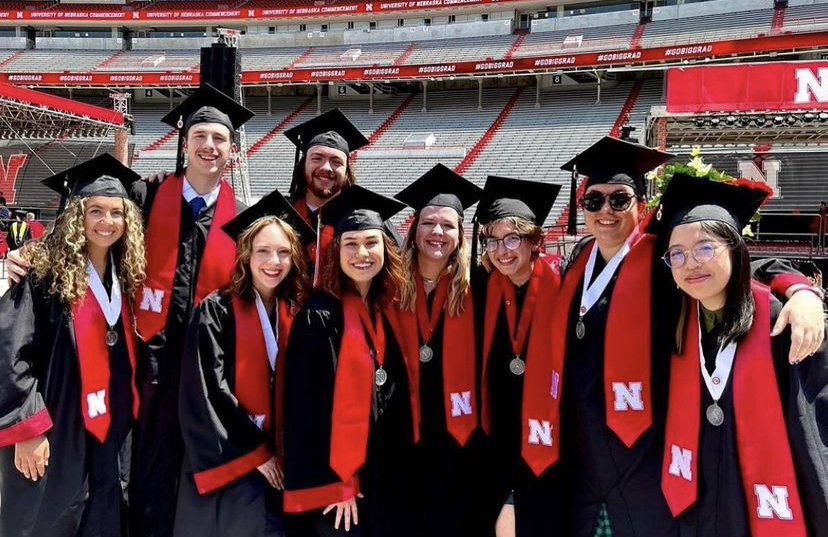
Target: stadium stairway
778	20
300	58
516	45
388	123
11	58
490	132
109	60
406	53
635	41
258	144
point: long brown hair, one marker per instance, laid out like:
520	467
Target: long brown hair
60	256
294	288
384	287
457	270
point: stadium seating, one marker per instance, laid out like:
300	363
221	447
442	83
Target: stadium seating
577	40
56	60
152	60
707	28
807	18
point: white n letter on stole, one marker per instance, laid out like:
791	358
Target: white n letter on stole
540	432
773	502
96	401
151	301
628	396
460	404
680	461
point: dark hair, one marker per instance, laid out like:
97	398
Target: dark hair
300	184
739	304
384	287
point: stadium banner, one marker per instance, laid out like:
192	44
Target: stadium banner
239	14
748	86
529	64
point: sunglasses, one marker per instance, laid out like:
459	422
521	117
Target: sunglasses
618	201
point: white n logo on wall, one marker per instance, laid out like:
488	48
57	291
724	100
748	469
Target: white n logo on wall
152	299
768	174
540	432
628	396
96	401
810	84
773	502
461	404
681	461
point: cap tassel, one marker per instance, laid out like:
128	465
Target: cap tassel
293	183
475	232
179	161
572	221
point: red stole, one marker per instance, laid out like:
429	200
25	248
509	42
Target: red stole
162	253
90	329
765	460
354	384
324	235
539	438
253	374
458	354
626	366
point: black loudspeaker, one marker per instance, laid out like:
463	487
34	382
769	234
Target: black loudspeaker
221	68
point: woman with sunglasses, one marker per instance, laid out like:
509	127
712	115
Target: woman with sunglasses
746	440
67	361
607	328
232	379
520	290
350	403
437	316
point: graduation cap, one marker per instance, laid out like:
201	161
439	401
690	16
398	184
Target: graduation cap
274	204
690	199
441	187
332	129
504	197
611	160
103	175
205	105
357	209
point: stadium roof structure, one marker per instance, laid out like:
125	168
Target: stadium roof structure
27	113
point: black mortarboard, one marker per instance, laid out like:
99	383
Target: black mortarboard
504	197
357	209
612	160
690	199
441	187
274	204
332	129
103	175
205	105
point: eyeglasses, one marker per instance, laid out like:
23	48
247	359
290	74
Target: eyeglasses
511	242
702	253
618	201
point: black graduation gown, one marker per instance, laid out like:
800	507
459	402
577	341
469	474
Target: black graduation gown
721	509
449	475
217	431
15	238
606	471
83	490
385	479
541	502
158	449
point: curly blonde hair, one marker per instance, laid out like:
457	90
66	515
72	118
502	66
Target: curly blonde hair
60	256
530	231
294	288
384	287
458	269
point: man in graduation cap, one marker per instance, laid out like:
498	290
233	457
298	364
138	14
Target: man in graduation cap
606	330
323	170
67	360
19	231
188	256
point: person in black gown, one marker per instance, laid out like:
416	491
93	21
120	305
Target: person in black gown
746	440
438	316
67	359
350	405
232	379
519	390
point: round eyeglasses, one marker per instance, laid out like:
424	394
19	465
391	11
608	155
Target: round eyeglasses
511	242
702	253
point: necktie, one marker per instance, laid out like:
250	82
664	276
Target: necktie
197	205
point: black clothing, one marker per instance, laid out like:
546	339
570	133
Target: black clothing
19	232
83	492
